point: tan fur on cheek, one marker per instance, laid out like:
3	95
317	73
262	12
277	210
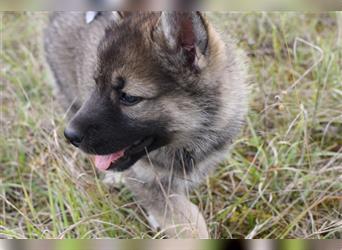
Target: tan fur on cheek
185	116
146	110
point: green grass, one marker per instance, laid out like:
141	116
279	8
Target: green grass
284	176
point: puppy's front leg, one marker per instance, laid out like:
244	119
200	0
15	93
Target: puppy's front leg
180	218
170	209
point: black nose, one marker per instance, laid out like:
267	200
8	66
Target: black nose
73	136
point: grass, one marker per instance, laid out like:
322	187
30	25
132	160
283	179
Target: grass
284	176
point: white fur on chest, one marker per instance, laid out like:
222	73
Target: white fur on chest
145	172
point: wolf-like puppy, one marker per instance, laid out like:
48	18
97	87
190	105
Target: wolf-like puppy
159	96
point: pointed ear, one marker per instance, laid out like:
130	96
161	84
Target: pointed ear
118	16
185	32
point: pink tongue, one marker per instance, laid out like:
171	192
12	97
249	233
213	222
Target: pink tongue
103	162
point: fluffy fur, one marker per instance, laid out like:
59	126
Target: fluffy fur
195	84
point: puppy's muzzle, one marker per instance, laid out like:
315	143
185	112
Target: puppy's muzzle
73	136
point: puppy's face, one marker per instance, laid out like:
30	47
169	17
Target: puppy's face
139	103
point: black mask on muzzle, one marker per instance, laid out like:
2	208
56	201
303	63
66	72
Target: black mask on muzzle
101	128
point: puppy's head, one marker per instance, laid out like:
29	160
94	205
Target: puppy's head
148	89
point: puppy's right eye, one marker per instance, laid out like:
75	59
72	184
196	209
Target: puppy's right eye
129	100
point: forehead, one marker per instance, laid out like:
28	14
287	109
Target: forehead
127	51
126	43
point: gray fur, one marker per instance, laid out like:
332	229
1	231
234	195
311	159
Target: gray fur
206	111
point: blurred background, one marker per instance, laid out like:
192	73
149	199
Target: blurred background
218	5
284	176
171	244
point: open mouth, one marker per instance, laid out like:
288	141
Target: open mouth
124	158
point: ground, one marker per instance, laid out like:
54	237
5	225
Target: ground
282	180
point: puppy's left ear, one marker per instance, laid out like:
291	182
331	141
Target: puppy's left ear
183	32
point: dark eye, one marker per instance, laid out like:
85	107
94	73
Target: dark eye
129	100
